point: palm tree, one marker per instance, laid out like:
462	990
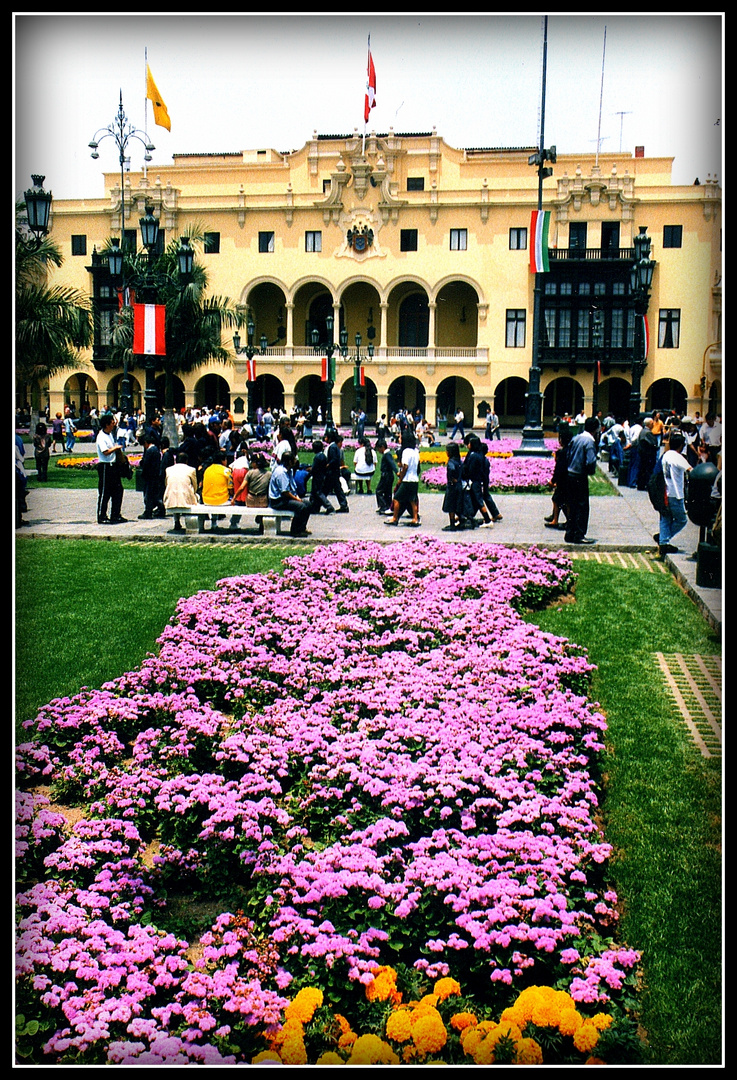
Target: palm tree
51	323
194	321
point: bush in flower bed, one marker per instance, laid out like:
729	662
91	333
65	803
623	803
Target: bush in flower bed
89	464
530	474
370	761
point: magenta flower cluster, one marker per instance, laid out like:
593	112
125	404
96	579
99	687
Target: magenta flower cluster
531	474
376	748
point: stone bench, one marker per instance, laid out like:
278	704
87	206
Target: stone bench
203	512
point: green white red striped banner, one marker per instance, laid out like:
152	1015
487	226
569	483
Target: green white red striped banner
539	225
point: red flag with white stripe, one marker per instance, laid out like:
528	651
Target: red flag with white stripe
149	337
370	100
251	376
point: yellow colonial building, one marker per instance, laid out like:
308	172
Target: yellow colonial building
423	250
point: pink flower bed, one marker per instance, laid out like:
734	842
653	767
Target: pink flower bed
373	755
531	474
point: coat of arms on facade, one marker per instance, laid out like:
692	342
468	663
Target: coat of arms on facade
360	239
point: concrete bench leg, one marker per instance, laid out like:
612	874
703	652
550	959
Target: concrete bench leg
178	527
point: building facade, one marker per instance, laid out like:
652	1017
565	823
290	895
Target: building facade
423	250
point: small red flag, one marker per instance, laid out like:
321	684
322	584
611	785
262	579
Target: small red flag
370	100
251	375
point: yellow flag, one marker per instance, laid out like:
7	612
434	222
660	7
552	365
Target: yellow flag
161	116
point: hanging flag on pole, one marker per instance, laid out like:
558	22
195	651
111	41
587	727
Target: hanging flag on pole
251	374
370	100
126	297
645	337
161	116
539	225
359	376
149	338
328	370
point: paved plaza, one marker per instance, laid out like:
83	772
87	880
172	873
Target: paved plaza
622	526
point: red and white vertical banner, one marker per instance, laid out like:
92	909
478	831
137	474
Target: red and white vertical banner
645	337
370	98
251	374
149	322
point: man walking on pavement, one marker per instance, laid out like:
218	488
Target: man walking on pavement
581	465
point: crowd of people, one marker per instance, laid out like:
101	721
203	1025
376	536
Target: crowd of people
218	462
671	443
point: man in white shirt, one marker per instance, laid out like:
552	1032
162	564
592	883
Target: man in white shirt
675	468
109	483
406	496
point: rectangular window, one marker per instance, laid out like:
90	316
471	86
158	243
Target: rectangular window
408	240
79	245
415	183
326	187
577	236
669	328
610	239
106	320
458	239
313	241
518	239
516	321
583	339
618	327
265	242
672	236
212	243
130	240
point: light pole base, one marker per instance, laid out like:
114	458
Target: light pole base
533	444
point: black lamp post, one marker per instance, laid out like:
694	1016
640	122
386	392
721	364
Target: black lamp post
598	343
250	350
357	359
38	210
533	439
329	349
641	280
122	132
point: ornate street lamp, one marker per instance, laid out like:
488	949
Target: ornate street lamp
357	360
122	132
598	344
328	348
38	210
250	350
641	280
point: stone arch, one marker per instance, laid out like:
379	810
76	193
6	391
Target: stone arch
563	395
666	394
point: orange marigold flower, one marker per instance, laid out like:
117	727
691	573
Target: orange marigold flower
345	1027
585	1037
428	1030
303	1006
371	1050
461	1021
601	1021
399	1025
594	1061
569	1021
528	1052
330	1058
484	1052
266	1055
383	986
446	987
293	1051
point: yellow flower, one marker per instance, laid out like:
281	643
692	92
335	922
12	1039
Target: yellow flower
383	986
601	1021
528	1052
585	1037
428	1030
371	1050
345	1027
266	1055
303	1007
347	1039
594	1061
398	1025
463	1020
293	1051
484	1052
569	1021
444	988
330	1058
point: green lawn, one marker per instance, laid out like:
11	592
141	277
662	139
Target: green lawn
88	611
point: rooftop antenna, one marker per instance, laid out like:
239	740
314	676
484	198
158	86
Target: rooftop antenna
601	95
621	114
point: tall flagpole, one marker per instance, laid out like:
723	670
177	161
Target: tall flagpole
368	62
145	96
601	97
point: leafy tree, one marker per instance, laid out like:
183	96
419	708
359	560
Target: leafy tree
51	323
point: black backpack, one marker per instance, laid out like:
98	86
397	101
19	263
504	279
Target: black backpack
656	489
